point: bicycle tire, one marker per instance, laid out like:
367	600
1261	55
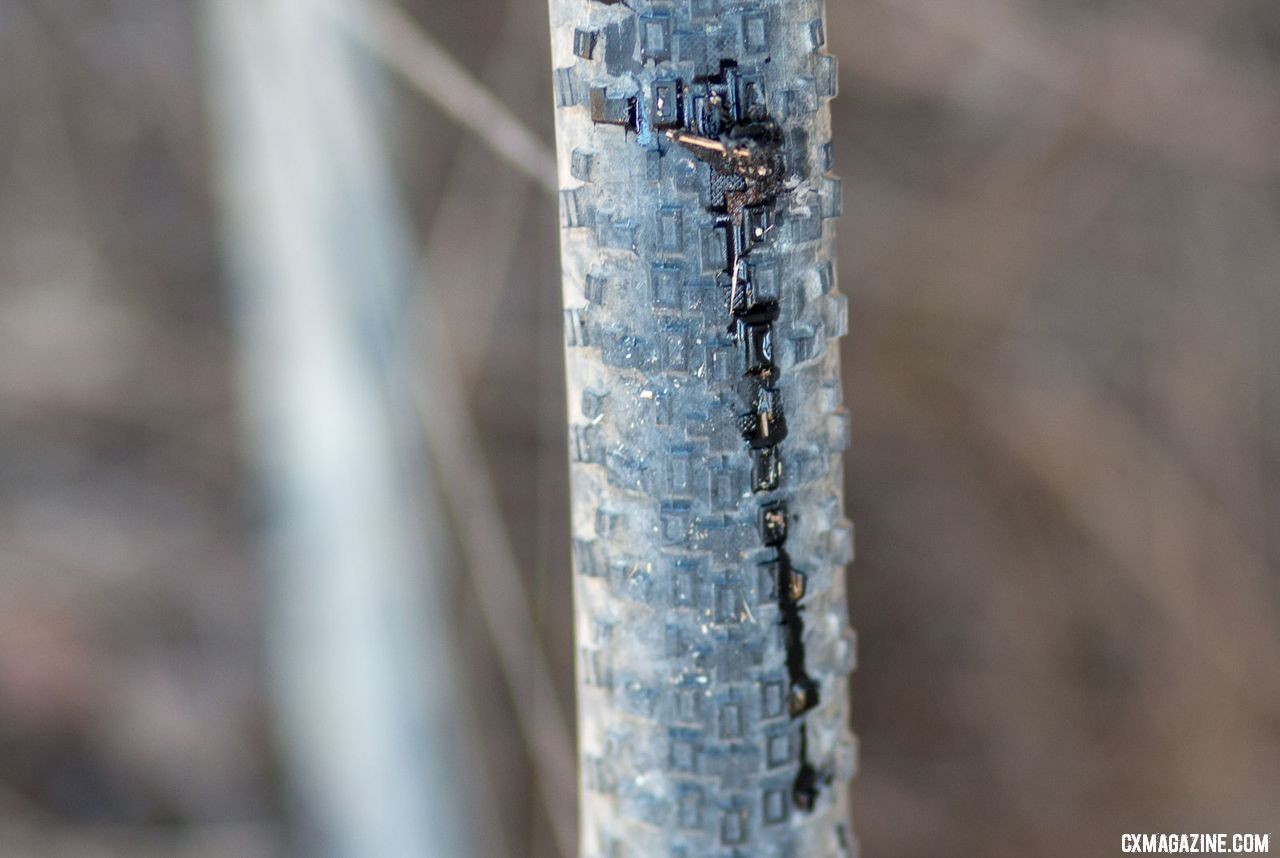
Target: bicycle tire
706	427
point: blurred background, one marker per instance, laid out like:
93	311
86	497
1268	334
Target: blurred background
1061	247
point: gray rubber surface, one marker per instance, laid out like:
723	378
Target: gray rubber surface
706	427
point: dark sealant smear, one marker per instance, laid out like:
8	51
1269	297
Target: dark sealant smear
721	119
803	694
735	136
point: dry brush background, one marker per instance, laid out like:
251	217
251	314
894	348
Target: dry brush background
1061	246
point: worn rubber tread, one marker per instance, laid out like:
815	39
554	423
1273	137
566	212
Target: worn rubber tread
706	428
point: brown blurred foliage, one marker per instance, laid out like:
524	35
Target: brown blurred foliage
1062	251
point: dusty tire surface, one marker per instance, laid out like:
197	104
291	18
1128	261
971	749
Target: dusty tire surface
706	427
